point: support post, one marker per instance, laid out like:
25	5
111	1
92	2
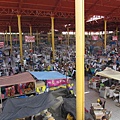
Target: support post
80	50
105	36
53	44
117	37
20	38
37	36
116	31
61	38
6	37
16	39
10	39
48	35
1	98
31	35
68	36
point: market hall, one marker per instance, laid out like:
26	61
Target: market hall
32	39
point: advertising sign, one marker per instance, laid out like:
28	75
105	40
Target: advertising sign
1	44
29	38
60	38
95	37
15	39
114	37
56	83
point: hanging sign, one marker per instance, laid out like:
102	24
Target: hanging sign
1	44
114	37
95	37
15	39
60	38
29	38
56	83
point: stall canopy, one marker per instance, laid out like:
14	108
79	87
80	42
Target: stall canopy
15	108
16	79
109	73
48	75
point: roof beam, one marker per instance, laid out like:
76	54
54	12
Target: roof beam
57	6
105	5
4	1
20	5
113	11
11	19
38	13
92	6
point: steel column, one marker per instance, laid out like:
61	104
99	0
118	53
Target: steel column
20	38
105	35
16	39
53	44
37	36
6	37
68	36
80	50
31	34
116	31
10	39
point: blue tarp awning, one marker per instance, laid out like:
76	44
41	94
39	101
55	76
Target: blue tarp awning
48	75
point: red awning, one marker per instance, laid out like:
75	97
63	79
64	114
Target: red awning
16	79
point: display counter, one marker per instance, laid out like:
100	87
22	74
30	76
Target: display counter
98	112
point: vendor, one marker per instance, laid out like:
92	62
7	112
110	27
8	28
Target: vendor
104	118
101	86
101	102
70	88
69	117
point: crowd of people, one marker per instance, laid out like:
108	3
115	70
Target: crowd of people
40	59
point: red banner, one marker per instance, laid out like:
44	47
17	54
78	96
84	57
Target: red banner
15	39
1	44
29	38
95	37
60	38
56	83
114	37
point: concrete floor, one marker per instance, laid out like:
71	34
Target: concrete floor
92	97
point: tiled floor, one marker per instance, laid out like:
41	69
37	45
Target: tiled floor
92	97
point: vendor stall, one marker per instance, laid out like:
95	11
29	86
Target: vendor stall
109	73
16	108
94	82
112	90
98	112
16	85
52	79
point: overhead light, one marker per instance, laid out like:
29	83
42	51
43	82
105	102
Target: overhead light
95	18
56	30
66	25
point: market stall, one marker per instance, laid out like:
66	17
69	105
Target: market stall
16	85
94	82
113	90
52	79
98	112
16	108
109	73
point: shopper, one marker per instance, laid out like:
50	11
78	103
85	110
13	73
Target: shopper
104	118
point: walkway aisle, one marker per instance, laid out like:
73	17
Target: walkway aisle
110	104
91	96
